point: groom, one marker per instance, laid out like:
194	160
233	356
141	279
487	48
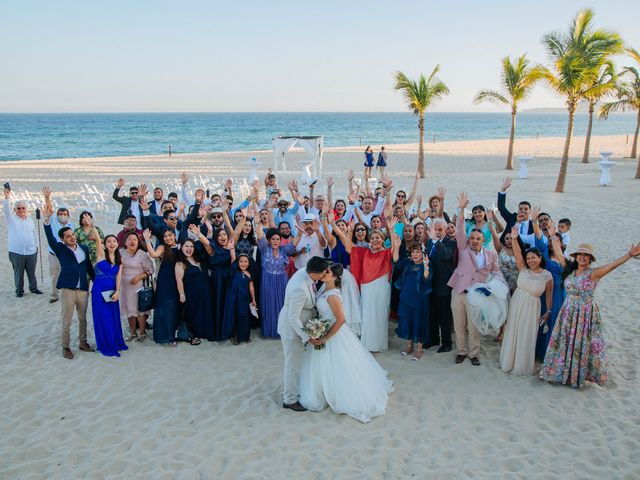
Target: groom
299	307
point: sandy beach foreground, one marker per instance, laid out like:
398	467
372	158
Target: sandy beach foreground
214	411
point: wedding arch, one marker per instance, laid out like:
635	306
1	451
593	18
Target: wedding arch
312	146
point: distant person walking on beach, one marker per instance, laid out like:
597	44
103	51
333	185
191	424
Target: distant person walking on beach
382	162
368	161
22	244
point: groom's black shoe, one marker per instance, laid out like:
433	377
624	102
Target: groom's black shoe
296	407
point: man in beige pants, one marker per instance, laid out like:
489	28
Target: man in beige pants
73	282
475	264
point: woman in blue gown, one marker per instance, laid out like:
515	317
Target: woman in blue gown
192	281
106	315
221	255
555	264
166	312
241	294
275	258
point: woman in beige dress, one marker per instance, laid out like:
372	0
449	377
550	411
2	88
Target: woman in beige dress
519	343
136	267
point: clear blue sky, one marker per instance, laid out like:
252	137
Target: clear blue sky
122	56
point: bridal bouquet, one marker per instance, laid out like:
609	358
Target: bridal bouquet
317	329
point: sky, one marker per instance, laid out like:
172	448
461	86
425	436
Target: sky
278	56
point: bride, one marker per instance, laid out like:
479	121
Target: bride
343	374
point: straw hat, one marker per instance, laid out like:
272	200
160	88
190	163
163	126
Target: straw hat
584	248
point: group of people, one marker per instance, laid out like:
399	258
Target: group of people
219	270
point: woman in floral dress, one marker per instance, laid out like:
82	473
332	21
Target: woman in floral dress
576	352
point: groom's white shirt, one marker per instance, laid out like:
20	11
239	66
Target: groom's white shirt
299	306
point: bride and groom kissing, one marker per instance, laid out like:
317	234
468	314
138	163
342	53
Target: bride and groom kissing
343	374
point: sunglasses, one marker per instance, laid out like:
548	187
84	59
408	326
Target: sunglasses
172	218
216	216
360	230
401	195
135	192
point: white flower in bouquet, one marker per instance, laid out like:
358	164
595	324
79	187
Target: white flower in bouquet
316	329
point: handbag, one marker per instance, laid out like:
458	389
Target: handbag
146	297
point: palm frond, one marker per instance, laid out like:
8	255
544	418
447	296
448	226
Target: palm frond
491	96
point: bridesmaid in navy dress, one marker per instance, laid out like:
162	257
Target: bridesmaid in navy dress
106	315
221	255
193	287
241	294
166	312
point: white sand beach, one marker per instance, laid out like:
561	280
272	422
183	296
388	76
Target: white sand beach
214	411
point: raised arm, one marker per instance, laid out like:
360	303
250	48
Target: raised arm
598	273
414	189
331	239
502	200
461	235
239	227
535	213
116	193
204	241
517	251
556	245
494	235
330	182
99	246
346	239
153	253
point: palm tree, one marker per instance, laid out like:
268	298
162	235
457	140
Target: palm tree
628	98
605	84
576	58
420	95
517	80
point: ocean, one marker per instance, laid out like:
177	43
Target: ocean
42	136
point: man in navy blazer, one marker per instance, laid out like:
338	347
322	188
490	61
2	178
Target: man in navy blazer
73	282
519	218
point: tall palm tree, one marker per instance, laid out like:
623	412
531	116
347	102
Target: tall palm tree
605	84
576	57
419	95
628	98
517	80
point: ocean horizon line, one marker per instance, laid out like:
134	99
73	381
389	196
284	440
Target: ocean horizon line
534	110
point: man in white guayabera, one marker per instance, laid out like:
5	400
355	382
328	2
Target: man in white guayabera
299	307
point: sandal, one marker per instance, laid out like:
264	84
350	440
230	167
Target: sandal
418	355
141	337
131	337
195	341
407	351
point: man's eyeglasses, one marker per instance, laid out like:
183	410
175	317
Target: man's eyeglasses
134	192
172	218
216	216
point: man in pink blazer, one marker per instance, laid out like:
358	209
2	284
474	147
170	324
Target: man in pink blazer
475	264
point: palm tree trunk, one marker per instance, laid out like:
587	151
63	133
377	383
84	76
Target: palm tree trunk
512	137
587	141
638	169
421	146
562	175
635	137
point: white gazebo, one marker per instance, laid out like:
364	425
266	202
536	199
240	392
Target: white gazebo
312	146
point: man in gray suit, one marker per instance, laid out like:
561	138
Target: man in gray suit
299	307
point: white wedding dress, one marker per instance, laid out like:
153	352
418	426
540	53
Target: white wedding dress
343	374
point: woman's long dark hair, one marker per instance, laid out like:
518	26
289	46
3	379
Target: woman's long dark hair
337	269
82	214
167	254
117	260
366	238
251	236
197	256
